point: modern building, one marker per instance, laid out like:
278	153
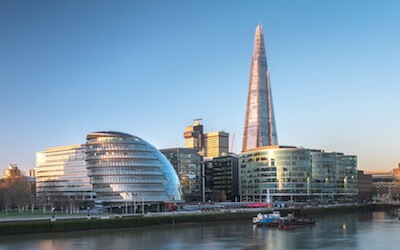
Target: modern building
194	136
216	144
207	179
187	164
365	188
259	126
125	171
296	174
62	177
12	172
334	174
212	144
285	172
386	186
225	176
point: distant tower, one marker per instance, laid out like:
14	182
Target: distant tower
259	125
194	136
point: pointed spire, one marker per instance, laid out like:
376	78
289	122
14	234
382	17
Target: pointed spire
259	126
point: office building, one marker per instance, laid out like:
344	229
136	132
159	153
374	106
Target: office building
297	174
225	176
365	188
61	176
212	144
187	164
125	170
216	144
194	136
259	126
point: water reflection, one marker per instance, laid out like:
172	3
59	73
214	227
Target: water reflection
350	231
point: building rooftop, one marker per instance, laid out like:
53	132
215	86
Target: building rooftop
107	134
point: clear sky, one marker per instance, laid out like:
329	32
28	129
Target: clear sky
149	68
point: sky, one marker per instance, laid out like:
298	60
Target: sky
149	68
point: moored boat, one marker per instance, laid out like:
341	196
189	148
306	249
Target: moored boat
296	223
266	219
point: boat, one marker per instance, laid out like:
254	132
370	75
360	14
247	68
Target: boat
292	222
296	223
266	219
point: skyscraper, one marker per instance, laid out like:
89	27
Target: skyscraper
259	125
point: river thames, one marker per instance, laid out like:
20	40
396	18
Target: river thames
375	230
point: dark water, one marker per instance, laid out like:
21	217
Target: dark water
376	230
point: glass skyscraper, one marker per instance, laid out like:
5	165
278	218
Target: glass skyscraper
259	126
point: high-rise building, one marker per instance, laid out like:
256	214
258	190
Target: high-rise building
212	144
187	164
216	144
259	126
194	136
61	175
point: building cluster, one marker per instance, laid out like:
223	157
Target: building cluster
382	185
206	169
114	170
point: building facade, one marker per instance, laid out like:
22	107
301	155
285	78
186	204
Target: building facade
225	176
187	164
297	174
209	145
386	185
12	172
126	170
259	126
365	189
61	176
216	144
194	136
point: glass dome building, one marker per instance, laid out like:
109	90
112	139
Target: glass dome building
125	169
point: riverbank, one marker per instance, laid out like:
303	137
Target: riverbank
114	221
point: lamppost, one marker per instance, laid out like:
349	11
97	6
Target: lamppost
88	209
52	210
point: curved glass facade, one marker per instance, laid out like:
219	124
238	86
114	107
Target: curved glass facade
291	173
125	168
285	172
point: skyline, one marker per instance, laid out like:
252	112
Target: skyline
70	69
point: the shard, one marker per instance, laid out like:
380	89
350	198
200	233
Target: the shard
259	125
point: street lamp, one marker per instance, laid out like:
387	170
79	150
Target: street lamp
52	210
88	209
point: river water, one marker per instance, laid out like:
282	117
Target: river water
377	230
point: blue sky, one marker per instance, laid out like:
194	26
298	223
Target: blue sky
149	68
